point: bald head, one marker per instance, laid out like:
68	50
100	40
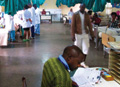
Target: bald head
73	56
72	50
82	8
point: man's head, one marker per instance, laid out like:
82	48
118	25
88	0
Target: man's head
43	9
82	8
71	10
90	12
113	15
9	13
26	7
95	15
73	56
35	6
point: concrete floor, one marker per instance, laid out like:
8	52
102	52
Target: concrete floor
27	58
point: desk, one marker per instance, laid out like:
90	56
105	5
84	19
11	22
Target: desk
56	17
80	72
98	34
3	37
113	32
46	17
109	31
105	83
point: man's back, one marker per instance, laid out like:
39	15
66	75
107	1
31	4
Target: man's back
55	74
26	16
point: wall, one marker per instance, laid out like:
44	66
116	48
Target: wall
115	9
66	9
49	4
3	8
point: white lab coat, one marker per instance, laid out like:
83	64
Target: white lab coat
37	16
2	21
26	15
20	15
9	22
70	14
32	10
16	21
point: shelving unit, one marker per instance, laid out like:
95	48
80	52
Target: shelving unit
114	64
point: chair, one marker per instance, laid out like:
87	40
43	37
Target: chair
105	39
65	19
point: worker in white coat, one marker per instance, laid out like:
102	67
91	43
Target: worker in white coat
26	25
37	20
32	10
9	25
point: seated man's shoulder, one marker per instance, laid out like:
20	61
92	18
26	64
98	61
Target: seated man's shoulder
51	59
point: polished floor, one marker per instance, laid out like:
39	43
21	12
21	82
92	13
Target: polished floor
27	58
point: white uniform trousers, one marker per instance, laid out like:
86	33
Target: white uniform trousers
82	41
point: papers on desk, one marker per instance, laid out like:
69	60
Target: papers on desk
109	31
118	32
115	45
86	77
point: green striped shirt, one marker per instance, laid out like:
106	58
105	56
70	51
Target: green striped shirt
55	74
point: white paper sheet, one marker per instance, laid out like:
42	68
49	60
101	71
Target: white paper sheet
86	77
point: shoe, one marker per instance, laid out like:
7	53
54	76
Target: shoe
27	39
30	37
14	41
33	37
24	40
37	34
84	65
21	37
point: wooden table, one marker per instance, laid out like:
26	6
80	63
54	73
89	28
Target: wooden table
46	17
102	83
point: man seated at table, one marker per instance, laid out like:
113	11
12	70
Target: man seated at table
43	12
96	20
113	23
56	70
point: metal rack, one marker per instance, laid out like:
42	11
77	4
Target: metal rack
114	64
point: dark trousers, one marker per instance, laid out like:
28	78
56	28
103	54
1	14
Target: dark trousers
32	31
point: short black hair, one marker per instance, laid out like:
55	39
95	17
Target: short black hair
26	7
95	14
114	13
9	13
90	12
35	6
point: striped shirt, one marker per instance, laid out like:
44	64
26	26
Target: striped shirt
113	24
55	74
